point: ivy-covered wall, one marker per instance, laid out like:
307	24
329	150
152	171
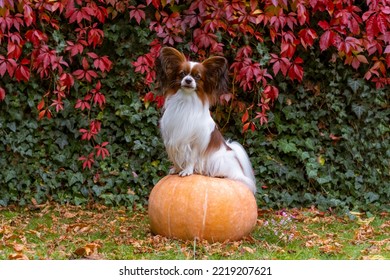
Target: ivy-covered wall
325	141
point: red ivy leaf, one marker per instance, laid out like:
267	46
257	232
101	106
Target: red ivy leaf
296	70
101	13
66	80
86	134
36	37
22	73
307	37
2	94
138	13
28	14
382	22
87	161
156	3
82	104
103	63
143	64
245	117
149	97
95	37
280	64
101	150
271	92
94	128
58	104
44	112
324	25
75	48
160	101
41	114
204	39
41	104
303	15
245	127
350	45
355	60
98	97
74	14
85	74
7	65
262	116
327	39
14	50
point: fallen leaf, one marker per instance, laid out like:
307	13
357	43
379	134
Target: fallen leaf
365	221
34	201
69	215
249	249
383	226
37	233
17	256
330	248
5	230
87	250
373	257
78	228
309	243
122	219
363	233
381	242
18	247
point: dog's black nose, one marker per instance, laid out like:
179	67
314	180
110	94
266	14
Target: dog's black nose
188	81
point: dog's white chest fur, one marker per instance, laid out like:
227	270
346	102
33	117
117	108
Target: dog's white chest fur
186	126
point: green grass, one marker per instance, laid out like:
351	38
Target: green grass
69	232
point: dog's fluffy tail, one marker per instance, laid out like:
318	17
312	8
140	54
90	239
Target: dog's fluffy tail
245	164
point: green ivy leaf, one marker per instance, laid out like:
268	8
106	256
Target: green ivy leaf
10	174
371	197
358	110
62	141
286	146
324	180
76	177
305	155
355	84
12	126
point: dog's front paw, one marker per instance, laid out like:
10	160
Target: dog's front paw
172	171
186	172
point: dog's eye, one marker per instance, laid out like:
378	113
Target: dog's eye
182	74
197	77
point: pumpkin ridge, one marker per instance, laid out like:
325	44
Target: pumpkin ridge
205	206
169	211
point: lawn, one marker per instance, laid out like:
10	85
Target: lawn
53	231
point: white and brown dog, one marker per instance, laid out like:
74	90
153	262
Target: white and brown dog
192	140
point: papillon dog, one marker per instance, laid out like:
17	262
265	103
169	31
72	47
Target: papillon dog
191	138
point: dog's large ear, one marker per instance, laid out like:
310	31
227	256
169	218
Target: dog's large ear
216	76
167	67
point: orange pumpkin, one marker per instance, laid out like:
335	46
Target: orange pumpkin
215	209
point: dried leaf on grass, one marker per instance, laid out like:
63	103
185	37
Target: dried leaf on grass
331	248
19	247
89	251
363	233
17	256
373	257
